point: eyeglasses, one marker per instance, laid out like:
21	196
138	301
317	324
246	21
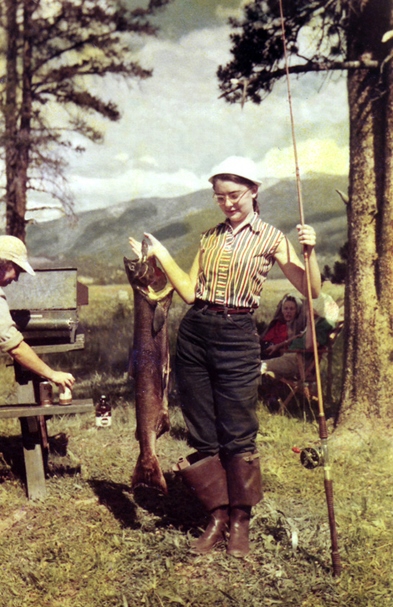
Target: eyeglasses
233	197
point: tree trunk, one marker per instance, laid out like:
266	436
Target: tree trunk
18	119
368	369
11	118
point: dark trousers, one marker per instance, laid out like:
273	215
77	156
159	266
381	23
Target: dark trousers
218	370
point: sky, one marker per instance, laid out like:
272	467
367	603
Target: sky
174	128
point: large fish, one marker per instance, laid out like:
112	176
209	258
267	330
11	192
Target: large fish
150	365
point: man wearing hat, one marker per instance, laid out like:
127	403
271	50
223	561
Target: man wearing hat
13	261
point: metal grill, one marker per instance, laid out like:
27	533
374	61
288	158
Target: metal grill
45	308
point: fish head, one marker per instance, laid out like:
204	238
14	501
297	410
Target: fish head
144	273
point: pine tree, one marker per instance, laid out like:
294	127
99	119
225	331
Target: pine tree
55	51
355	37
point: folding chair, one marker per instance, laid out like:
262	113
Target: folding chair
303	388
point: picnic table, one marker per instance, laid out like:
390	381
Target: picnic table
33	419
45	309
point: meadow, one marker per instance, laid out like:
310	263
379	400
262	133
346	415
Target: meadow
94	543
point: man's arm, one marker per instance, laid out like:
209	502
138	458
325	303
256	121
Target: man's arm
25	356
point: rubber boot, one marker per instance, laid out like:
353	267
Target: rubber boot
215	532
245	490
206	477
238	544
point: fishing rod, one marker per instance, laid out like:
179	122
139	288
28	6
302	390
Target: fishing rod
323	432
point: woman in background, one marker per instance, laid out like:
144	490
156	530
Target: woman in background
326	313
287	323
218	351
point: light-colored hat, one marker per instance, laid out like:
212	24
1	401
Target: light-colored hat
237	165
13	249
326	307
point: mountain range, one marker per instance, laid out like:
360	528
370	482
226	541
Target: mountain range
96	241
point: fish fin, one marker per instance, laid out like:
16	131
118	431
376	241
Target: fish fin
158	318
163	425
148	473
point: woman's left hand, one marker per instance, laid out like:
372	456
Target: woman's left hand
306	234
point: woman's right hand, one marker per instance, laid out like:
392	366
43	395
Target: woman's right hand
136	246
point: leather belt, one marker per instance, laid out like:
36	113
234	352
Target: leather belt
207	306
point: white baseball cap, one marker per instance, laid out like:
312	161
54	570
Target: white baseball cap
237	165
13	249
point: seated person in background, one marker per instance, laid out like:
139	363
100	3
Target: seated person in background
288	322
326	313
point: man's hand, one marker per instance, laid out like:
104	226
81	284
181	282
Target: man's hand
60	378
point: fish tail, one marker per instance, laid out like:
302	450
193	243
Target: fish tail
148	473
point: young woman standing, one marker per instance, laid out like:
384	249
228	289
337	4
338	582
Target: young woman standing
218	350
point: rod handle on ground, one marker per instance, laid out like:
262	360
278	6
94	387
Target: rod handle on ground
336	560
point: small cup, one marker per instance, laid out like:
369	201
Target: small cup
65	396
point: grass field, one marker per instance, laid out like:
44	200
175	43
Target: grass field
94	543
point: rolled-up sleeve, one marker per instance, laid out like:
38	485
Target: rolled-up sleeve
10	337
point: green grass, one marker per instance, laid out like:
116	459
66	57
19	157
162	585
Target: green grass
94	543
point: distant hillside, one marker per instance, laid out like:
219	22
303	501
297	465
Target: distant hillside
97	241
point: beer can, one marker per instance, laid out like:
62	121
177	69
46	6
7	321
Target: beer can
46	394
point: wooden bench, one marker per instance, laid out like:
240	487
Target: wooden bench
34	438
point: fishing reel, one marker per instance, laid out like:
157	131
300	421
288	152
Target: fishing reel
310	457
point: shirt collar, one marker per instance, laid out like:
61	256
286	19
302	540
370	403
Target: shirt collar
252	220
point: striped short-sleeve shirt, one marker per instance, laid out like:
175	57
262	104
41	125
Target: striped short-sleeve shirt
233	267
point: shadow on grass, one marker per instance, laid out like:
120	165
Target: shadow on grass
57	461
11	461
115	497
274	393
178	509
179	432
12	465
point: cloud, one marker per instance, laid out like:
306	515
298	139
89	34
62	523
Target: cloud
183	16
174	127
135	183
314	156
223	11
